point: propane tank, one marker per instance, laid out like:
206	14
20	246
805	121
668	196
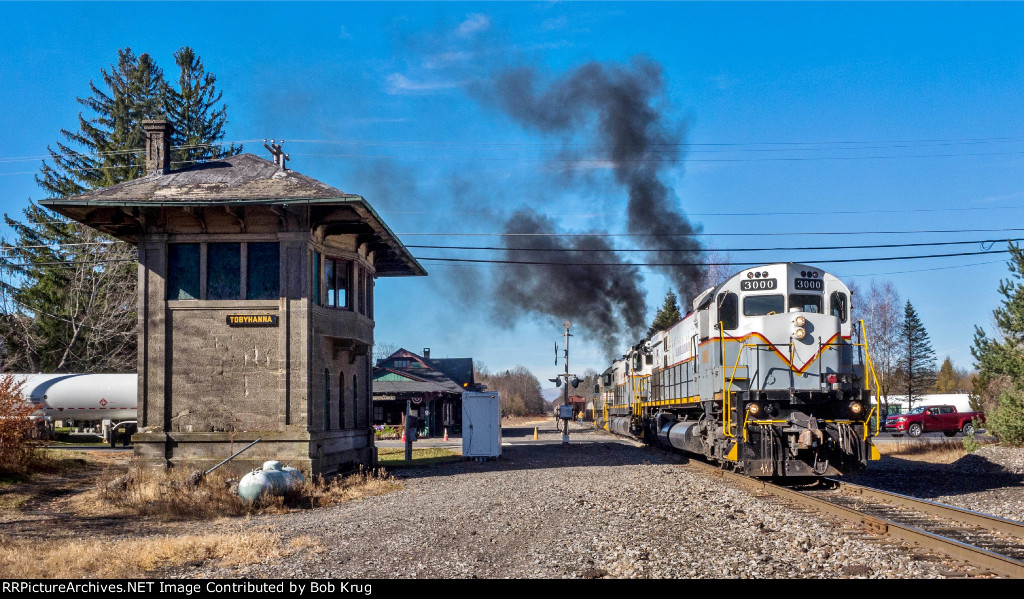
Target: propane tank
273	478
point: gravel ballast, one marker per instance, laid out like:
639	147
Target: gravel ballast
601	507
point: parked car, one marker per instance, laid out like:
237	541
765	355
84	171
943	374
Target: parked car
926	419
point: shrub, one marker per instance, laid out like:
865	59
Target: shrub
971	443
1007	421
16	444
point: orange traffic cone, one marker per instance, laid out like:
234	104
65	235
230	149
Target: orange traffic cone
445	434
403	435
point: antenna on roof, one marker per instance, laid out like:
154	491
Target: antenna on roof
279	156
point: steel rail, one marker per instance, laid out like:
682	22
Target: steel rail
942	510
996	563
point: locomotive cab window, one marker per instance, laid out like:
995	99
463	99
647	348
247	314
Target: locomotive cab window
760	305
805	302
729	310
838	307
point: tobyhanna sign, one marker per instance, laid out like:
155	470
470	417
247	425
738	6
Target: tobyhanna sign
252	320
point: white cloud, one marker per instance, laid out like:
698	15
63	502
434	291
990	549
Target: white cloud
473	23
445	59
399	84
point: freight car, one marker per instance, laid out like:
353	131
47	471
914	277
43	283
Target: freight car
767	375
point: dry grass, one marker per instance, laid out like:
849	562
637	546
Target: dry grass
946	451
365	483
523	420
136	557
170	496
13	501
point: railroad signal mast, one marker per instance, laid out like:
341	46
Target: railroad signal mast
565	410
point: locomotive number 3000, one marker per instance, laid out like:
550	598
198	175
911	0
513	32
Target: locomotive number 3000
758	284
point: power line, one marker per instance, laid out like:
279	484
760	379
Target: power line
760	234
540	263
766	213
68	263
901	272
751	146
125	151
763	249
670	264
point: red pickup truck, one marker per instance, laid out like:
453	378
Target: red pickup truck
925	419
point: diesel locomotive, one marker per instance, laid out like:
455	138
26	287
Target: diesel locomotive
767	375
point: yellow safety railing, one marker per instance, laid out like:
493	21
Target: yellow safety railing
727	392
869	365
639	387
604	408
870	376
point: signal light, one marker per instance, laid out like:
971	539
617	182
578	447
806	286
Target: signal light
799	333
855	408
754	409
800	321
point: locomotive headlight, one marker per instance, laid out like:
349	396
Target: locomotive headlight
799	334
800	321
754	409
856	408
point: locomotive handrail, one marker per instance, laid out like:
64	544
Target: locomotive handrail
871	370
727	390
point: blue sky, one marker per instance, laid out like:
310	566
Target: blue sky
796	118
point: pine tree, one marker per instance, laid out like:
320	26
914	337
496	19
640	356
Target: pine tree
916	357
668	314
111	144
68	292
1000	360
947	380
198	116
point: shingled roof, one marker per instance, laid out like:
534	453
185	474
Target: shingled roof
243	178
230	183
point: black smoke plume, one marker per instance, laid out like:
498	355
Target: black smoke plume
616	109
607	301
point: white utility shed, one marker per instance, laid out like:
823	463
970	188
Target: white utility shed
481	424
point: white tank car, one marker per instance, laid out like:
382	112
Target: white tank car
83	397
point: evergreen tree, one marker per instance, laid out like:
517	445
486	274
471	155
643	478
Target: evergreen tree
1000	360
111	144
947	380
68	292
198	116
668	314
916	357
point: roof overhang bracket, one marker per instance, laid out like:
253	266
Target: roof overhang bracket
239	213
196	212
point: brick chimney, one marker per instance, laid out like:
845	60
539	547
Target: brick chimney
158	146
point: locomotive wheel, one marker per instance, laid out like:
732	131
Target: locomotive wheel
914	430
968	429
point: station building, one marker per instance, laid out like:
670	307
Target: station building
255	306
431	388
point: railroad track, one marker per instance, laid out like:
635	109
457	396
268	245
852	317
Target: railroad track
994	545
